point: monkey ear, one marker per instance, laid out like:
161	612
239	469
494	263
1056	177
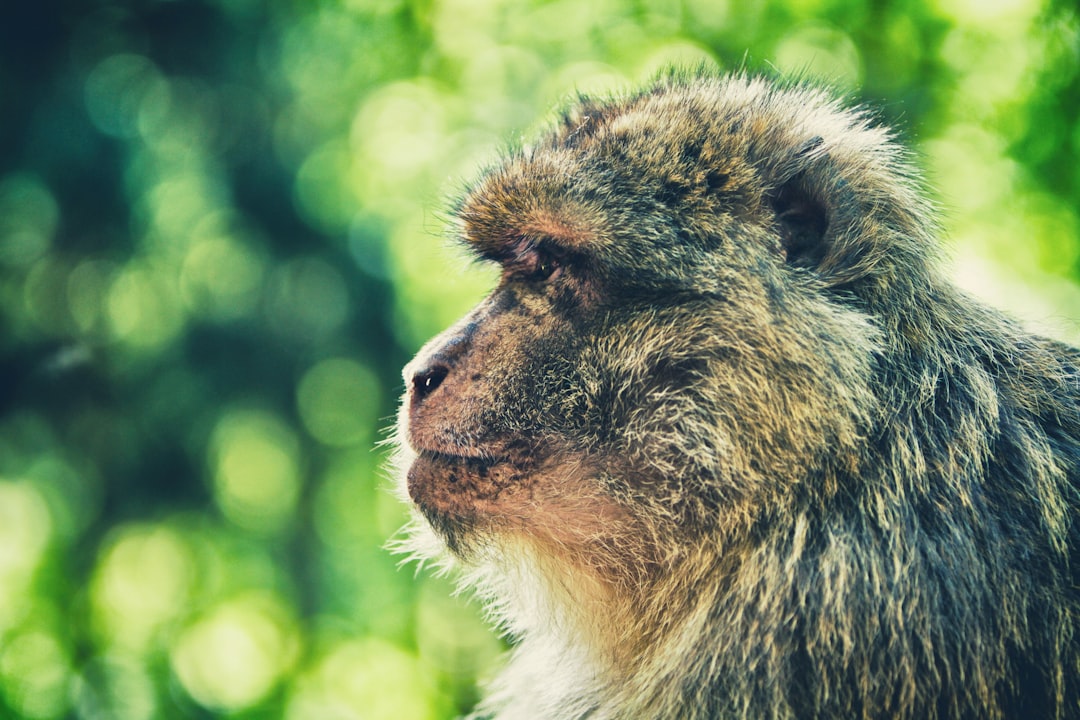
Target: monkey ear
813	207
803	221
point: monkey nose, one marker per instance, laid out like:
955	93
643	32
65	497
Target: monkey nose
427	380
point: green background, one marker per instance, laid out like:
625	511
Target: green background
222	234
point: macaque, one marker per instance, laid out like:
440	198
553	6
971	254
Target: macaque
724	442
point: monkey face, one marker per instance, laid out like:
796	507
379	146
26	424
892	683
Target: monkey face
495	411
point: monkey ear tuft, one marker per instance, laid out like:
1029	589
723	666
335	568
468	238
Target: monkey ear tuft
803	221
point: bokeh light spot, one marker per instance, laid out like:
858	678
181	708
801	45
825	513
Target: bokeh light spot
25	530
322	193
28	219
371	679
452	634
255	460
339	400
400	129
343	506
142	582
463	27
143	306
435	285
970	162
820	51
177	205
220	278
115	90
587	78
72	497
989	71
35	672
709	14
995	13
233	656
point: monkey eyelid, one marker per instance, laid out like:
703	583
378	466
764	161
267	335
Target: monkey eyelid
531	260
536	266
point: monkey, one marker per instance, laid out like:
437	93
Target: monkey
725	442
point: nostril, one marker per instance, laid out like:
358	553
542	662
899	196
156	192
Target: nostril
427	381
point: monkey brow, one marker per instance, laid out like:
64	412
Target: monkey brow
501	232
488	249
510	248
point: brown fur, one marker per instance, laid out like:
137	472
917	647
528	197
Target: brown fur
724	443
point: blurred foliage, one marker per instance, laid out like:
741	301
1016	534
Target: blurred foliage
221	237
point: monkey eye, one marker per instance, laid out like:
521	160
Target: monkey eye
531	261
546	268
538	266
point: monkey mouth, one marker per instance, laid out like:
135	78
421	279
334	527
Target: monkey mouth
446	485
450	450
466	461
459	455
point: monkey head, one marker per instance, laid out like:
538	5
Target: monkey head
677	345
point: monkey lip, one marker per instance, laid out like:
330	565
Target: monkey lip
470	458
430	447
438	442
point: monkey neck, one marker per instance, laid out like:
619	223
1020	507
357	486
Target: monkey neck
587	640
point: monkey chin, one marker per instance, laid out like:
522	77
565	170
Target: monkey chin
455	493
